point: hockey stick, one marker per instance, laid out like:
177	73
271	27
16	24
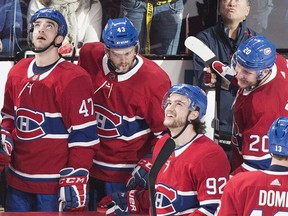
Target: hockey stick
162	157
206	54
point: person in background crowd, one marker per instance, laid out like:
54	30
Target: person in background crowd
223	39
262	192
259	15
128	90
158	24
84	19
48	128
261	75
10	26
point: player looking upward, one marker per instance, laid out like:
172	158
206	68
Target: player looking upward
48	125
191	181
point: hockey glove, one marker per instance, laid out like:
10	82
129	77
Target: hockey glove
6	148
139	176
229	80
210	78
7	143
121	203
73	194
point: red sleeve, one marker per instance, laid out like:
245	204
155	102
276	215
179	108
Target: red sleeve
143	198
79	117
228	205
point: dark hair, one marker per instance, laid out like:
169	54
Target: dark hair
280	157
199	127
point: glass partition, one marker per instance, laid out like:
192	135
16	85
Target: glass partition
268	17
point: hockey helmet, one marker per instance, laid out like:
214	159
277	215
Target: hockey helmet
278	136
120	33
194	93
54	15
257	53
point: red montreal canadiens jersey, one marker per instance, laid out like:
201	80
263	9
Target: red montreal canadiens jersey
256	193
52	122
128	108
254	112
192	179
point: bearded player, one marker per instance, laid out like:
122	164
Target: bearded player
128	90
261	75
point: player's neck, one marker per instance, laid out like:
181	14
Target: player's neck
46	58
185	137
277	162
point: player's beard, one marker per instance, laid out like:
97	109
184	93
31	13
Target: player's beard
125	66
172	122
245	84
42	46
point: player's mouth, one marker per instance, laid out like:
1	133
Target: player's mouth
41	38
169	115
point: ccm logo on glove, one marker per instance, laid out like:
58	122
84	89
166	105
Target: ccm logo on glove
72	180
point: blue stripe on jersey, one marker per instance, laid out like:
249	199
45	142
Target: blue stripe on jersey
262	164
211	208
32	125
112	125
114	167
79	134
169	201
34	177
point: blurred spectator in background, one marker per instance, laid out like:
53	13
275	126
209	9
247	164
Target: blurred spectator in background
84	19
10	26
260	11
157	22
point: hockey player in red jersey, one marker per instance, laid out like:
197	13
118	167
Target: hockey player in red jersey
193	178
48	125
262	192
128	90
261	74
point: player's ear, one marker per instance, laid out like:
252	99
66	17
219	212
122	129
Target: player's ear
193	115
107	51
266	71
59	39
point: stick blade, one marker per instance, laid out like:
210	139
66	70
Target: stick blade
200	49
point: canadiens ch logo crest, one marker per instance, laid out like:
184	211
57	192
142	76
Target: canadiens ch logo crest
107	122
28	124
164	198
